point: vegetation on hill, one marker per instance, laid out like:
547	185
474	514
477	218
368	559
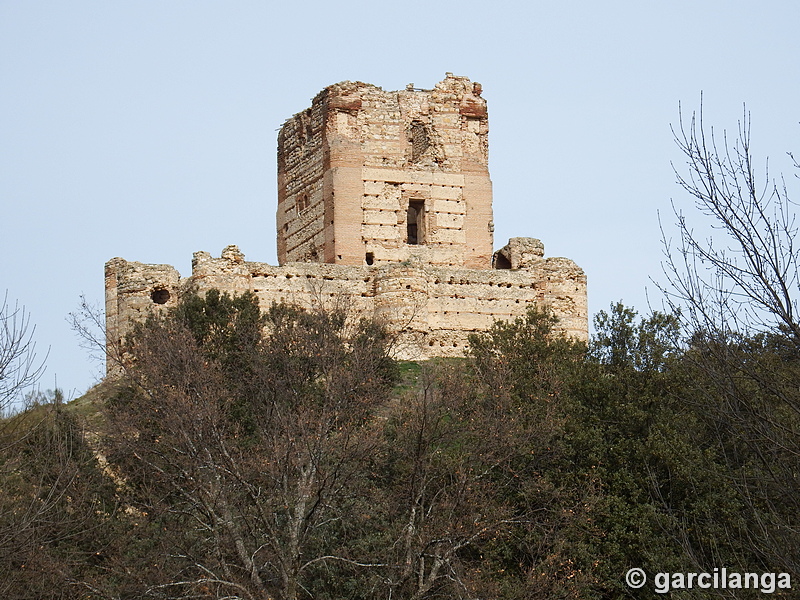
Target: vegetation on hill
284	454
279	455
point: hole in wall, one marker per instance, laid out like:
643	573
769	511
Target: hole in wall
160	296
501	262
370	258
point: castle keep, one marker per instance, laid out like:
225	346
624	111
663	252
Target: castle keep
384	201
367	177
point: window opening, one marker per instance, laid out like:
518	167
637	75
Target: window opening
415	222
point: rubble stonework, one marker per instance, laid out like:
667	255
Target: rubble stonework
384	201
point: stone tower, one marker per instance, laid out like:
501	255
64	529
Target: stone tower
385	203
370	177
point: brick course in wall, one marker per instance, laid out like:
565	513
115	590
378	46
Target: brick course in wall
385	203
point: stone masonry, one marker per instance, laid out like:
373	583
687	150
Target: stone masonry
385	202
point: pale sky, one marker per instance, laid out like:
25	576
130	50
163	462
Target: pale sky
147	129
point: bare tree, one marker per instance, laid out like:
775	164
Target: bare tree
19	367
54	502
737	292
89	323
447	473
55	506
247	445
744	278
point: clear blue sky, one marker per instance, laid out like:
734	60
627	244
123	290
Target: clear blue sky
147	129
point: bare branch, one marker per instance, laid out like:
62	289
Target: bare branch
745	277
19	365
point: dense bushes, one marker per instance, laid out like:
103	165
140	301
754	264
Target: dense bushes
272	455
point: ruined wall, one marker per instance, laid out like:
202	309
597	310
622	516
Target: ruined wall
385	204
432	309
301	166
133	290
368	177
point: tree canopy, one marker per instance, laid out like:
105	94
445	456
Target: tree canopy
284	454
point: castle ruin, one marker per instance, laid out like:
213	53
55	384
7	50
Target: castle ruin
384	201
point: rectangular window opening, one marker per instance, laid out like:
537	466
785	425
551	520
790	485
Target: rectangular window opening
415	222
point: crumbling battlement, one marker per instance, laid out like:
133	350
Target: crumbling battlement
384	202
432	308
